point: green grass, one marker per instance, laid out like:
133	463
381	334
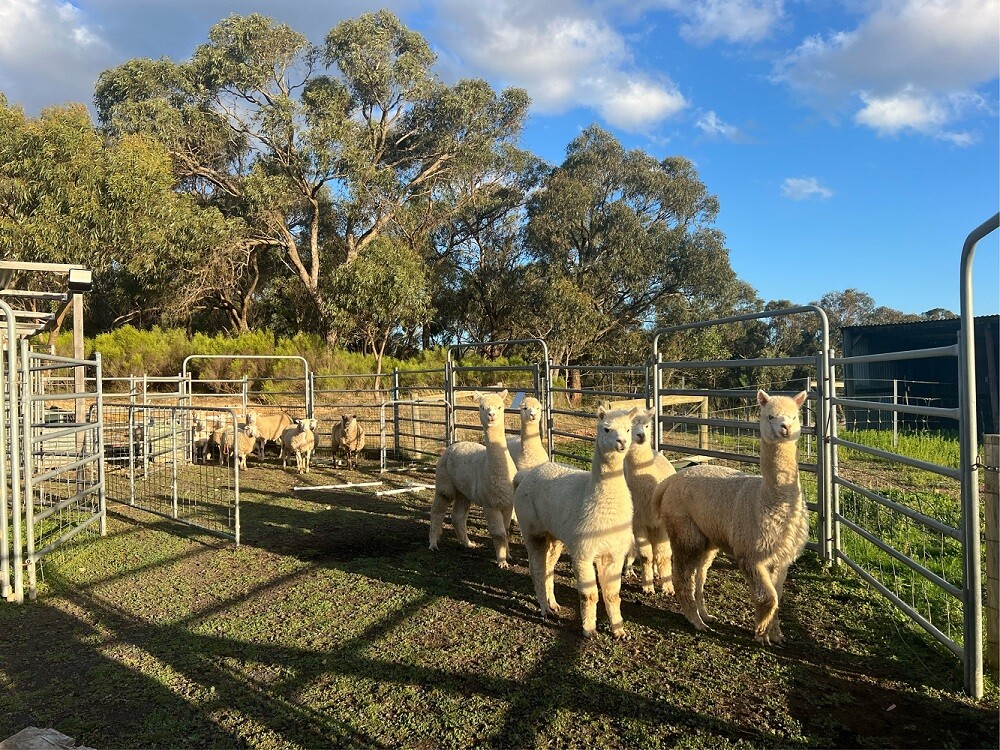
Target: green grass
333	625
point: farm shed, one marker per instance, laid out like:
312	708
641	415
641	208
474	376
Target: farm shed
924	382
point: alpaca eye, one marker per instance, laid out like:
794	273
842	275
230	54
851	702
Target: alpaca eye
607	429
770	416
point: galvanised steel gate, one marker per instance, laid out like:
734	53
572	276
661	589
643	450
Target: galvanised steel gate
159	459
51	472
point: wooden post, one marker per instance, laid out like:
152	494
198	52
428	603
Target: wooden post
703	428
991	448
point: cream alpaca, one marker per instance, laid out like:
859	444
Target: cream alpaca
469	473
527	449
759	521
588	511
644	470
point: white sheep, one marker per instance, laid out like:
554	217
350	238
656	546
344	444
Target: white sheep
644	470
469	473
300	440
242	444
761	522
214	446
590	512
269	428
526	449
200	436
348	439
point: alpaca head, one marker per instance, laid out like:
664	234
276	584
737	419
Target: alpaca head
531	410
491	406
779	417
642	427
614	430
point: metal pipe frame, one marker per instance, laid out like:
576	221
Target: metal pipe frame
305	369
968	446
9	443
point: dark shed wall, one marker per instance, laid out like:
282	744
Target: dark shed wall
927	382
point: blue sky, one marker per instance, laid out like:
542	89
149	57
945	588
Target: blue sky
851	143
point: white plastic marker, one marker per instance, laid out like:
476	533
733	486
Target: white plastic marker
401	490
347	486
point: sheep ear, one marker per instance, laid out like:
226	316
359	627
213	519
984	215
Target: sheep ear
762	398
801	398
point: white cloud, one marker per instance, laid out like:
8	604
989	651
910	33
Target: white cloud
566	57
711	125
804	188
912	65
49	54
730	20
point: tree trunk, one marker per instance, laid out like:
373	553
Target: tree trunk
575	386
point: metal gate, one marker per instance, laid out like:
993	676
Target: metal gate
51	473
159	460
531	379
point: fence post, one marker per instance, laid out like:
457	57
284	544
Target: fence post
703	427
991	448
895	415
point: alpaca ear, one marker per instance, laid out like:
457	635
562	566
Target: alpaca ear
633	411
601	411
762	398
503	393
651	412
801	398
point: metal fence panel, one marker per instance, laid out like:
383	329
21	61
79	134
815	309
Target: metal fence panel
156	461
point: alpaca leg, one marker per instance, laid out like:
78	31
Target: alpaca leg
685	569
586	584
778	575
439	508
645	548
537	547
552	551
633	553
498	533
609	573
699	586
765	600
460	518
661	556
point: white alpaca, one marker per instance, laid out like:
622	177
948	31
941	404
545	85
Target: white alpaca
644	470
761	522
470	473
527	449
590	512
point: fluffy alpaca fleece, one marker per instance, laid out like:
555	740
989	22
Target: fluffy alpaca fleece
469	473
644	470
590	512
761	522
299	440
527	449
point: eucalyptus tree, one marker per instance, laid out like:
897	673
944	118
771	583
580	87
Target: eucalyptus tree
614	235
66	196
320	148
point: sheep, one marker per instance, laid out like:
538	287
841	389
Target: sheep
588	512
269	428
242	444
214	445
526	449
469	473
349	439
761	522
199	441
644	470
299	439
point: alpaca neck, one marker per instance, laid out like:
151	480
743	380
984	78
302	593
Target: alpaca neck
779	467
530	431
606	465
639	455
